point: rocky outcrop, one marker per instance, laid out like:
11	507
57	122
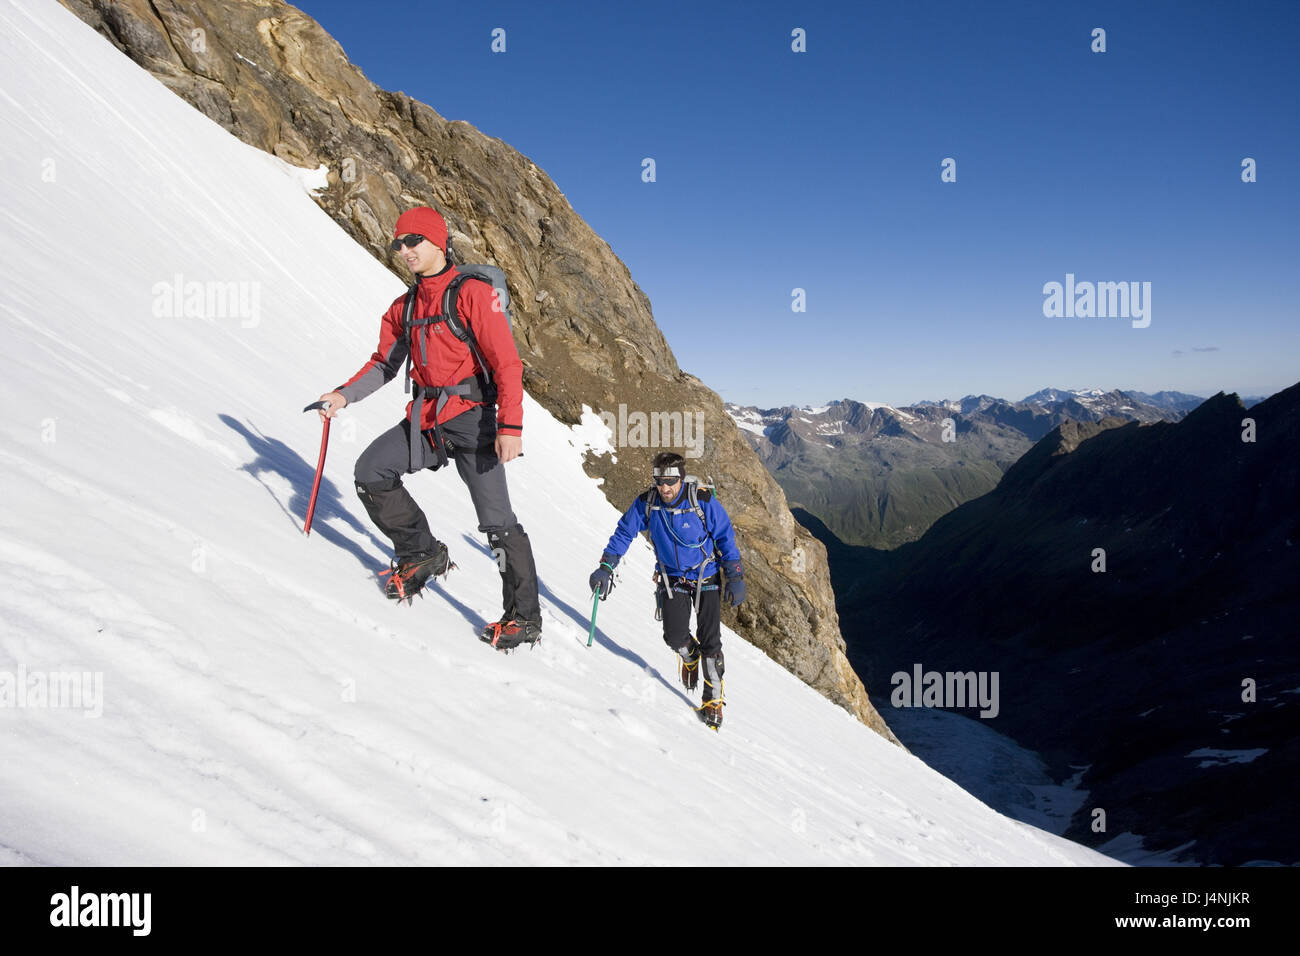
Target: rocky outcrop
272	76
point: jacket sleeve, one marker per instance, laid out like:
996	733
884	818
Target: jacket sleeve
719	528
478	304
385	363
629	526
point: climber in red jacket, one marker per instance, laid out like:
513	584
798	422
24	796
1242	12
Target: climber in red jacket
467	407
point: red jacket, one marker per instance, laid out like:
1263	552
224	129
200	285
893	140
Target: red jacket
449	359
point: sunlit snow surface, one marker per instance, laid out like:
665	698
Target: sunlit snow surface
261	701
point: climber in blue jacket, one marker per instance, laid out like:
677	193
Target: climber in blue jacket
693	541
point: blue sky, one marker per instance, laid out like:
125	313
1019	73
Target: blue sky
820	170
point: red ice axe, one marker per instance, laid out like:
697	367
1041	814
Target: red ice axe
320	465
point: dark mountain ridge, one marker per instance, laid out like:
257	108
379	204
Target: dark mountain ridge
1139	670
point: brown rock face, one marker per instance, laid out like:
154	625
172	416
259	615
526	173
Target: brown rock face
272	76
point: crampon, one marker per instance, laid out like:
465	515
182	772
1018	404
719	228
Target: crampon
508	634
407	577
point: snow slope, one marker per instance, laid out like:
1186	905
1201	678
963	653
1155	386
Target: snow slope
261	702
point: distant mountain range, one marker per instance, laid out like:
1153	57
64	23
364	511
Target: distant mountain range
879	476
1134	587
1171	401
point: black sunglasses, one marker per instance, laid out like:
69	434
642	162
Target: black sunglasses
411	241
667	481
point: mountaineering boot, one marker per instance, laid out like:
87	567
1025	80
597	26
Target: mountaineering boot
688	664
710	710
407	576
508	633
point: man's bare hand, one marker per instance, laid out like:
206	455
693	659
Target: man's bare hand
509	446
336	401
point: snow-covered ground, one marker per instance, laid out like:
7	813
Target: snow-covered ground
237	693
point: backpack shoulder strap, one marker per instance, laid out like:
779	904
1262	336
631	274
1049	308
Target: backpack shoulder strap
462	330
408	316
449	315
704	495
695	494
408	306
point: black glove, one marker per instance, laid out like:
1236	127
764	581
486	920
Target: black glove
603	576
734	592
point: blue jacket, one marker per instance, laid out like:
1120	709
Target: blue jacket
682	547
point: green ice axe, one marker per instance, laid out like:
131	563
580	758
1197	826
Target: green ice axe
595	603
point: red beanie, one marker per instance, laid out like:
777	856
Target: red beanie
425	222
